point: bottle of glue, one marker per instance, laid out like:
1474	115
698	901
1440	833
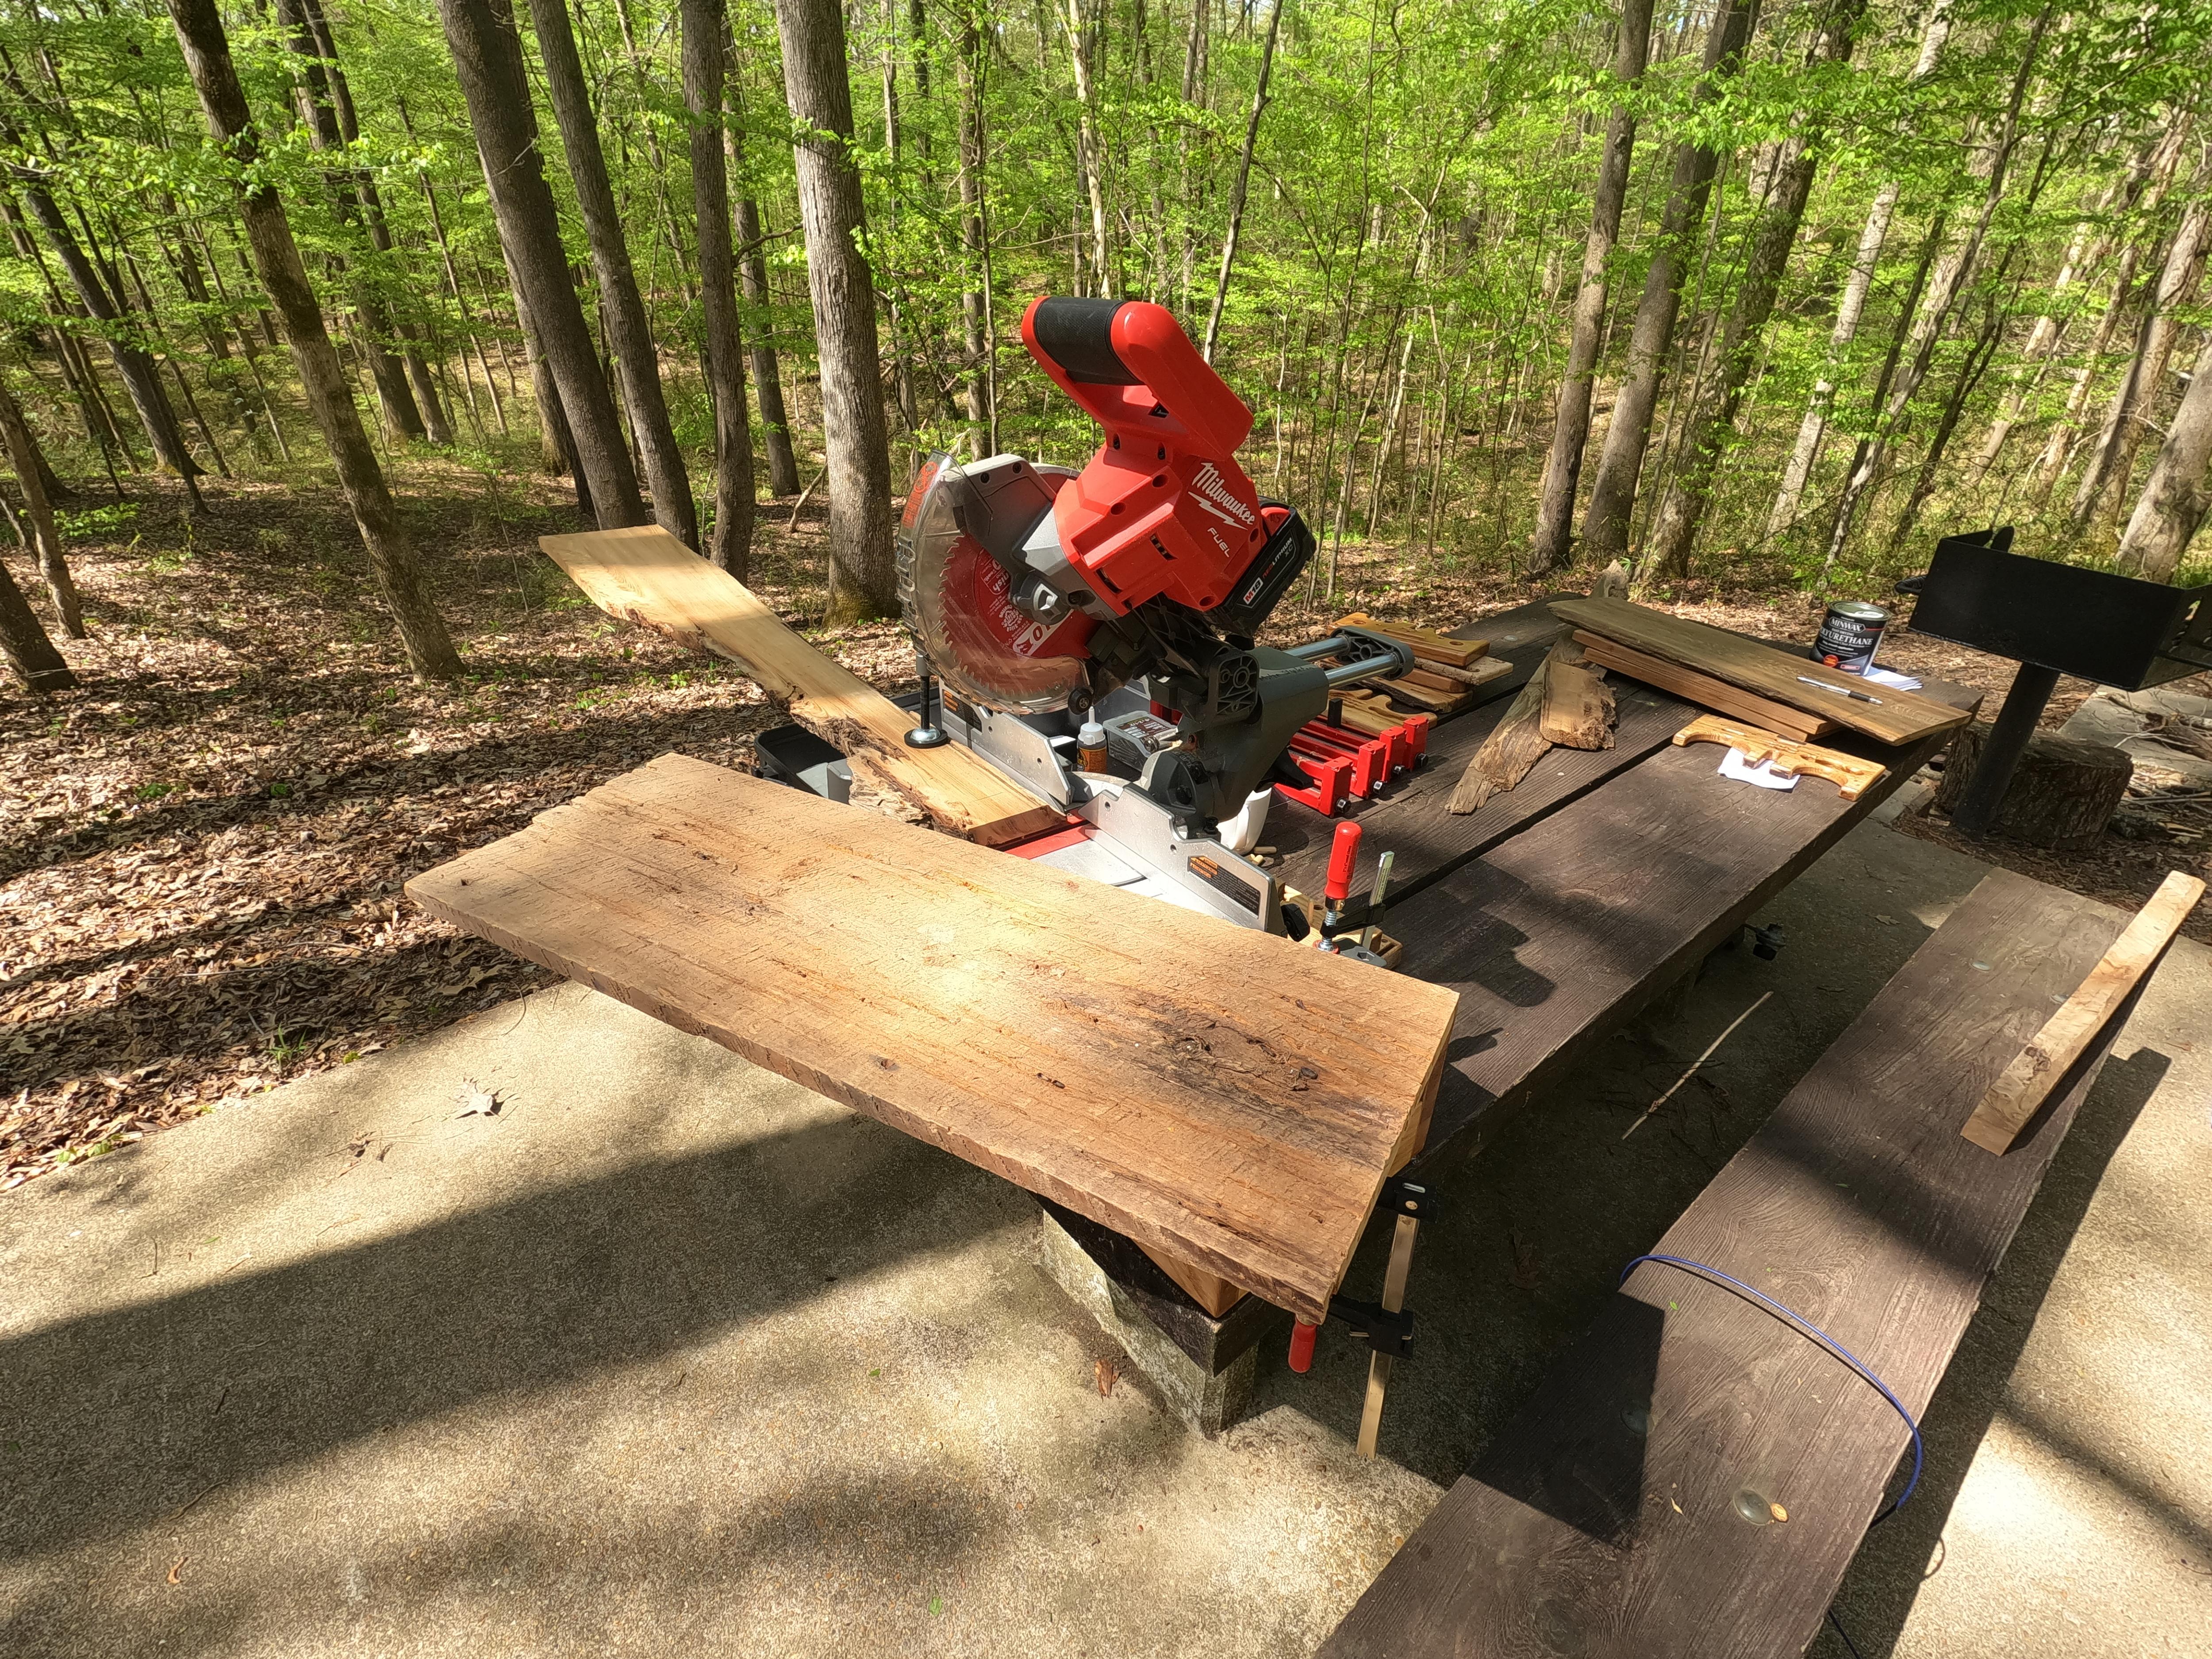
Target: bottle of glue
1091	747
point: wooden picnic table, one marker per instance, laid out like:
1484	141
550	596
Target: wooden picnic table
1561	909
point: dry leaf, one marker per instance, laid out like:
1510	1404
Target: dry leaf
477	1101
1108	1373
176	1567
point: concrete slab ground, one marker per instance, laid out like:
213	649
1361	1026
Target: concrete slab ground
671	1355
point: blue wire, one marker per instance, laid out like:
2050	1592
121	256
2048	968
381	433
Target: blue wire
1827	1342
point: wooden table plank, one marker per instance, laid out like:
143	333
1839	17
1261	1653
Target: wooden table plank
645	575
1858	1205
1564	932
1210	1091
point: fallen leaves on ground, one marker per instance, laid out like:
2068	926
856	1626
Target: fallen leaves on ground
203	846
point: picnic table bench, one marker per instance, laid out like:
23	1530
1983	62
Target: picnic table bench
1559	911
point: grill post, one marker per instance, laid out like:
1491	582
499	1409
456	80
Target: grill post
2007	740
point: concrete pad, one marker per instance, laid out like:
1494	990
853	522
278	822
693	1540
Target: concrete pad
672	1355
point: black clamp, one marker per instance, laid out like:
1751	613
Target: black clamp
1766	942
1406	1198
1386	1332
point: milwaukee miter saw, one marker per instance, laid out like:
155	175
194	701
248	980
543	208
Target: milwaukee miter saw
1092	632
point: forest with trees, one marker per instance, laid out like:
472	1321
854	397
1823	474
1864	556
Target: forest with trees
1763	294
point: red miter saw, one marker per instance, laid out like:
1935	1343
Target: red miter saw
1041	599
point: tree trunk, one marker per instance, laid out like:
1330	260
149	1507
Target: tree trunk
702	22
23	637
1243	178
141	376
2104	480
1551	548
435	423
2173	502
487	54
862	582
622	309
276	261
1949	281
319	114
768	377
1851	307
1605	527
974	244
2062	796
1083	27
44	538
1712	424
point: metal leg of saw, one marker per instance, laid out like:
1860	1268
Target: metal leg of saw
1394	1300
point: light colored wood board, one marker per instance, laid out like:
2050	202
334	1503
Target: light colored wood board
2017	1095
1480	671
645	575
1578	711
1716	695
1851	775
1426	697
1210	1291
1899	717
1204	1089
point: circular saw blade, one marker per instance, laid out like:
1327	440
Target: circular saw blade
959	604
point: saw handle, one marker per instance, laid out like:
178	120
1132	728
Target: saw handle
1343	857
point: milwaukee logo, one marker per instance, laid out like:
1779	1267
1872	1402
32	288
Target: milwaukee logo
1209	483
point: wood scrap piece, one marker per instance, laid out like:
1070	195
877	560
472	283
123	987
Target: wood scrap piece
2017	1096
1516	744
1719	694
1363	711
1578	711
1202	1088
1894	717
1481	671
1425	641
1851	775
643	574
1422	696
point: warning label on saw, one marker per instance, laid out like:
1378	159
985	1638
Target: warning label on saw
1225	881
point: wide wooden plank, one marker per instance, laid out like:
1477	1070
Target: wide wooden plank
1213	1092
646	576
1562	932
1604	1519
2017	1095
1898	717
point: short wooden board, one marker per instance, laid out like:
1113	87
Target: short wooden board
1211	1091
1603	1520
645	575
1899	717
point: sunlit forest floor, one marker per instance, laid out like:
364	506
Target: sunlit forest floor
202	848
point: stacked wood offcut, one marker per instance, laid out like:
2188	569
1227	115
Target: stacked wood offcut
1565	701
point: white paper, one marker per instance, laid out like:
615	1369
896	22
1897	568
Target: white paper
1735	764
1895	681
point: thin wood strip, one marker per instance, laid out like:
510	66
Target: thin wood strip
1704	689
1891	715
2014	1098
645	575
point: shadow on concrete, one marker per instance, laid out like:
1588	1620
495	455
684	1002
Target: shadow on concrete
124	1419
1885	1578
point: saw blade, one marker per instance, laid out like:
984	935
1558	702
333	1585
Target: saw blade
959	604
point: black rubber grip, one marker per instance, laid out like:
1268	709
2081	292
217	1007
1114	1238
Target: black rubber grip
1079	336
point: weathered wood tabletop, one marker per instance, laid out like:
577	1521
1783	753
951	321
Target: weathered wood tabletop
1564	906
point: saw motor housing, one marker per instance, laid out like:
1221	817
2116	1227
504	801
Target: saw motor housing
1032	588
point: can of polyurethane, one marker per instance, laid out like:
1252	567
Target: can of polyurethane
1849	636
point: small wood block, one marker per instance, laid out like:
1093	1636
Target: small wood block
2066	1035
1421	696
1851	775
1578	711
1479	672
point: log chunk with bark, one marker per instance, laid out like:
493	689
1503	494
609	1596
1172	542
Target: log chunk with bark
2062	797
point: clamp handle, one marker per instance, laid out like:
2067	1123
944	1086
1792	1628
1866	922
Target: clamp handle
1343	857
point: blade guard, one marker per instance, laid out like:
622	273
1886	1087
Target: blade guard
1163	510
958	605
